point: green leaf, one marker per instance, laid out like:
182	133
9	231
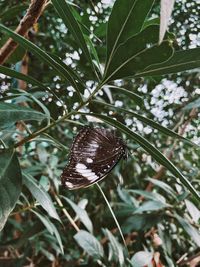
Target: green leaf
90	244
152	150
151	206
42	55
180	61
40	195
115	249
149	122
126	197
82	214
154	21
51	228
149	195
192	232
193	211
93	52
138	99
20	76
141	258
10	183
49	139
66	14
11	113
24	96
168	189
141	222
125	21
136	54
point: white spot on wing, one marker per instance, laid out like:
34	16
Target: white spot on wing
87	173
89	160
80	166
69	185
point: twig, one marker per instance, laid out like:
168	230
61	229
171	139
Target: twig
32	15
66	213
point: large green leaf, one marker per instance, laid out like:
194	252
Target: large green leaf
152	150
11	113
65	12
40	195
90	244
50	227
180	61
125	21
137	53
192	232
10	184
42	55
149	122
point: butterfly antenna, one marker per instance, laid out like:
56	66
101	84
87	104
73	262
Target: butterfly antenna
113	215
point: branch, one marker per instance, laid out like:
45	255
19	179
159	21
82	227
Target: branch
31	17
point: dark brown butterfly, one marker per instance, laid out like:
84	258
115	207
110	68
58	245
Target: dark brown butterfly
94	153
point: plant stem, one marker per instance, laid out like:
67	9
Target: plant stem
67	214
113	215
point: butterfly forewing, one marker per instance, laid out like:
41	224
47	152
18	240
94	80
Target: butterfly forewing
94	153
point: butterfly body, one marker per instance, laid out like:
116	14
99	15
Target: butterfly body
94	153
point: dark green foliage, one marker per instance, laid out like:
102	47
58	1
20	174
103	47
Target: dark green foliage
10	183
76	58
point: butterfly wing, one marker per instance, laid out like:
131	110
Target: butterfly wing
94	154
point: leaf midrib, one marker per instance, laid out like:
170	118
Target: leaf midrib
120	33
128	60
168	67
2	173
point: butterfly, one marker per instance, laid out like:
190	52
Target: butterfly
94	153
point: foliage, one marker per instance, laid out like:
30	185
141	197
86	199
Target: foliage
93	64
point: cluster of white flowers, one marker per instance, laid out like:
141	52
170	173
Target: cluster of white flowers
164	94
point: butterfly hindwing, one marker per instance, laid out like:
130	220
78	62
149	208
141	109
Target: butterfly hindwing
94	153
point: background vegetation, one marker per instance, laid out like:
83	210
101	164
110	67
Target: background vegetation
69	70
